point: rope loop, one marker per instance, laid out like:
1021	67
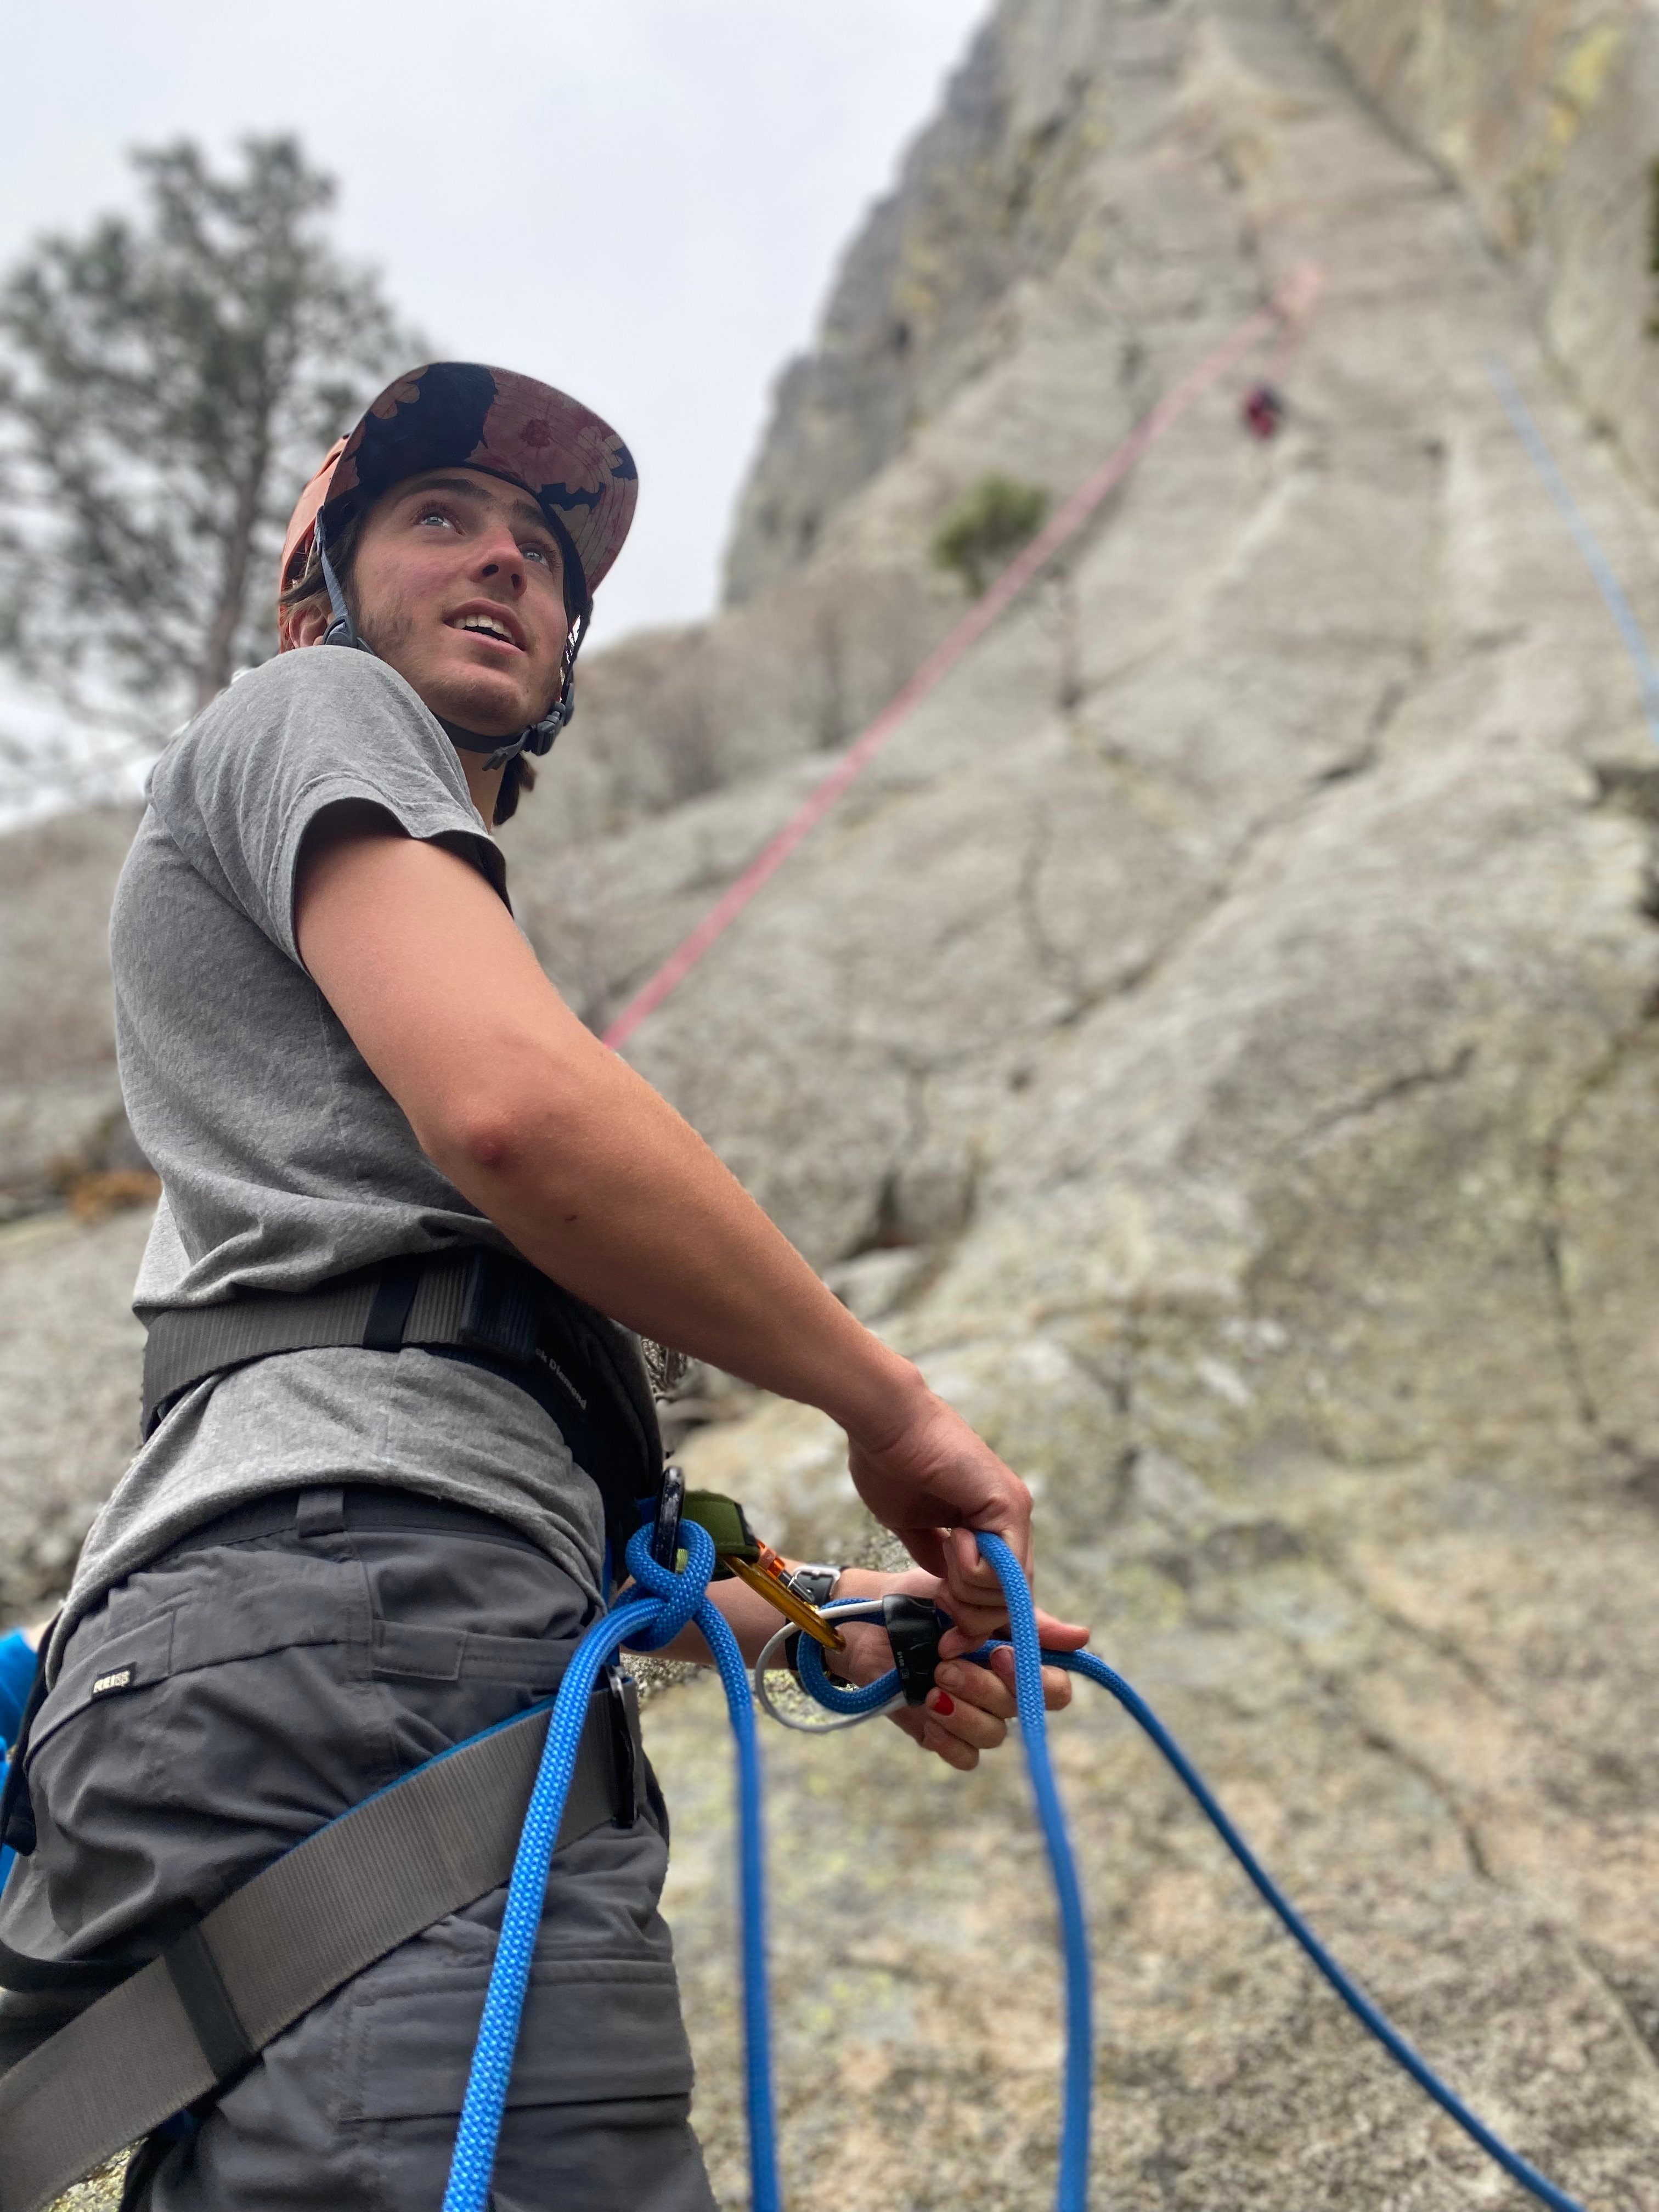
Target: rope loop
853	1704
679	1593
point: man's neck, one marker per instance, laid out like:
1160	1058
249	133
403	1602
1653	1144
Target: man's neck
483	785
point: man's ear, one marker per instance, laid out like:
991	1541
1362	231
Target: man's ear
305	624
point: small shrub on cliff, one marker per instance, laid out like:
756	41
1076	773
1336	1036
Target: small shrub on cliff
986	527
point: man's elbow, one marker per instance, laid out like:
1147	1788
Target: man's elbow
499	1136
483	1139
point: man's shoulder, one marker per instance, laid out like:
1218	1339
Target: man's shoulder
320	675
300	697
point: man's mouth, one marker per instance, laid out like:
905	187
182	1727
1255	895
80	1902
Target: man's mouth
480	624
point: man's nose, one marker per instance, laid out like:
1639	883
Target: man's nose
499	554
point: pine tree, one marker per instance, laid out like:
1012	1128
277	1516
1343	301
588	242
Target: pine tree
167	385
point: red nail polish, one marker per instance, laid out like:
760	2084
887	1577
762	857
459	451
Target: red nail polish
943	1702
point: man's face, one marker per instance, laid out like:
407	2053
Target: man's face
457	584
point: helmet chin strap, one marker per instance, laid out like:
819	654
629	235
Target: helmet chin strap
537	738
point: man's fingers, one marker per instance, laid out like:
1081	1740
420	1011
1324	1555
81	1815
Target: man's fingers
926	1547
969	1560
974	1625
977	1685
933	1734
937	1738
969	1722
1059	1635
1056	1682
972	1569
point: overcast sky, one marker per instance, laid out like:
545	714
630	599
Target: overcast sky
642	201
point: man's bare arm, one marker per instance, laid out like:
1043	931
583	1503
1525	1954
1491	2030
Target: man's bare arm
597	1181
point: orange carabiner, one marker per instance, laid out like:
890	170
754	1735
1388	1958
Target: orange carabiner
769	1575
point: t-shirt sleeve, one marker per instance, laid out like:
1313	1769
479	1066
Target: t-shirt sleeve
242	787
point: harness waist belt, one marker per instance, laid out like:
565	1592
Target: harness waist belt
464	1297
191	2020
471	1299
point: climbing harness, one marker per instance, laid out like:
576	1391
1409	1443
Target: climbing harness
650	1616
169	2034
1284	311
466	1301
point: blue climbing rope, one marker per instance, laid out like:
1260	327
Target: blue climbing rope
646	1624
1028	1658
1595	559
1072	2195
1096	1670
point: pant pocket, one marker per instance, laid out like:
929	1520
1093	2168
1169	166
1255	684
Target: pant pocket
597	2108
592	2031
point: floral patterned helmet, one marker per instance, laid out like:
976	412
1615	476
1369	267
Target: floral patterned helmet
458	414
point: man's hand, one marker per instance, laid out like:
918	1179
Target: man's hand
969	1706
933	1482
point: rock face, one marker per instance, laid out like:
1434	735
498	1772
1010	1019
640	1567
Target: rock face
60	1103
1548	116
987	203
1218	1041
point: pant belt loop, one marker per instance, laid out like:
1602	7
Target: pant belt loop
321	1511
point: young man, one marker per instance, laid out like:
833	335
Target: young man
346	1546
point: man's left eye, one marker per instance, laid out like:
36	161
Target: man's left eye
538	553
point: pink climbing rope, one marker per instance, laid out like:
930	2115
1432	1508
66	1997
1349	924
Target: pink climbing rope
1287	306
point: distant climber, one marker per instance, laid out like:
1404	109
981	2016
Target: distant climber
1262	410
397	1425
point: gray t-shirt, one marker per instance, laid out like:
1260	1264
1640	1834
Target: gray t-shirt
282	1158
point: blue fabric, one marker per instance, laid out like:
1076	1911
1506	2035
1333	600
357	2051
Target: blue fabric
17	1679
17	1664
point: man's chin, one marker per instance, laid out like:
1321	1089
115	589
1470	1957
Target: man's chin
484	707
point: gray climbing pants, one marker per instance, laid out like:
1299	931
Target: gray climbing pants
275	1675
